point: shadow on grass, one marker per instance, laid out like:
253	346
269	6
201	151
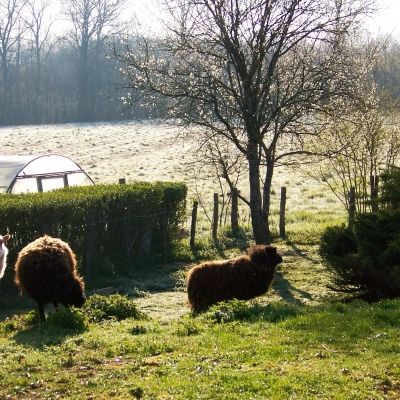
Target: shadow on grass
286	290
299	252
291	292
12	303
163	278
25	328
42	335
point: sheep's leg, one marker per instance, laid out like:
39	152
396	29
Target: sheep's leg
41	311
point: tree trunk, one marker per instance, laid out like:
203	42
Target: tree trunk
259	222
4	89
36	117
267	193
83	110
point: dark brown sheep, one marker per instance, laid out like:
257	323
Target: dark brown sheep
46	271
243	277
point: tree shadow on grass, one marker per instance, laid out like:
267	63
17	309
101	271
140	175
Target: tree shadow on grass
163	278
286	290
283	287
298	252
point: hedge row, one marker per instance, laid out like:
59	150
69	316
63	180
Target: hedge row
114	228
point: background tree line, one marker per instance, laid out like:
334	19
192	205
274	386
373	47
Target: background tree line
50	74
57	70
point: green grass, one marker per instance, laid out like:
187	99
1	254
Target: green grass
276	351
136	337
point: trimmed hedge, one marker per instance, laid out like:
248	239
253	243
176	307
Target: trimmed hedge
126	226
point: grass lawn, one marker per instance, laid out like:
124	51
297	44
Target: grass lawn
299	341
235	351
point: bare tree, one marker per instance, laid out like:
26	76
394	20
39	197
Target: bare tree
41	45
11	30
364	140
90	20
216	161
249	72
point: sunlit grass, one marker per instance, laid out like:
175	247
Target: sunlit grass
307	226
276	351
296	342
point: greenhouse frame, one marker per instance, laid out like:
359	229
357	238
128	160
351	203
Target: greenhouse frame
40	173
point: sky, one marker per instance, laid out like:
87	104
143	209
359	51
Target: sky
387	20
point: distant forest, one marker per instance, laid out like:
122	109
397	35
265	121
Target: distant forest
51	74
48	76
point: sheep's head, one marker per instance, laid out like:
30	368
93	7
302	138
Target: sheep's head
264	255
73	293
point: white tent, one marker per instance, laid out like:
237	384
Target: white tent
23	174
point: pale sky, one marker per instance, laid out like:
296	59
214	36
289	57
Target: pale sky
387	20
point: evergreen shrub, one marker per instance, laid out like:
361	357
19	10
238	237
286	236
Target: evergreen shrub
365	262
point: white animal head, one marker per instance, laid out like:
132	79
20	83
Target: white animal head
3	254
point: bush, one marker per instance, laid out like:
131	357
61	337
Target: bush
20	322
69	318
241	310
99	308
337	242
366	262
127	225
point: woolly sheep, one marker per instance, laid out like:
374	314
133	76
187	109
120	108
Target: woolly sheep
243	277
46	271
3	254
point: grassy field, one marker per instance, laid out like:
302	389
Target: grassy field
299	341
237	350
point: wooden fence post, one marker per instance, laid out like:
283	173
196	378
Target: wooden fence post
193	225
282	230
89	246
215	218
374	182
352	207
234	212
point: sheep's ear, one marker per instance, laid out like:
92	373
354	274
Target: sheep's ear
270	249
5	238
